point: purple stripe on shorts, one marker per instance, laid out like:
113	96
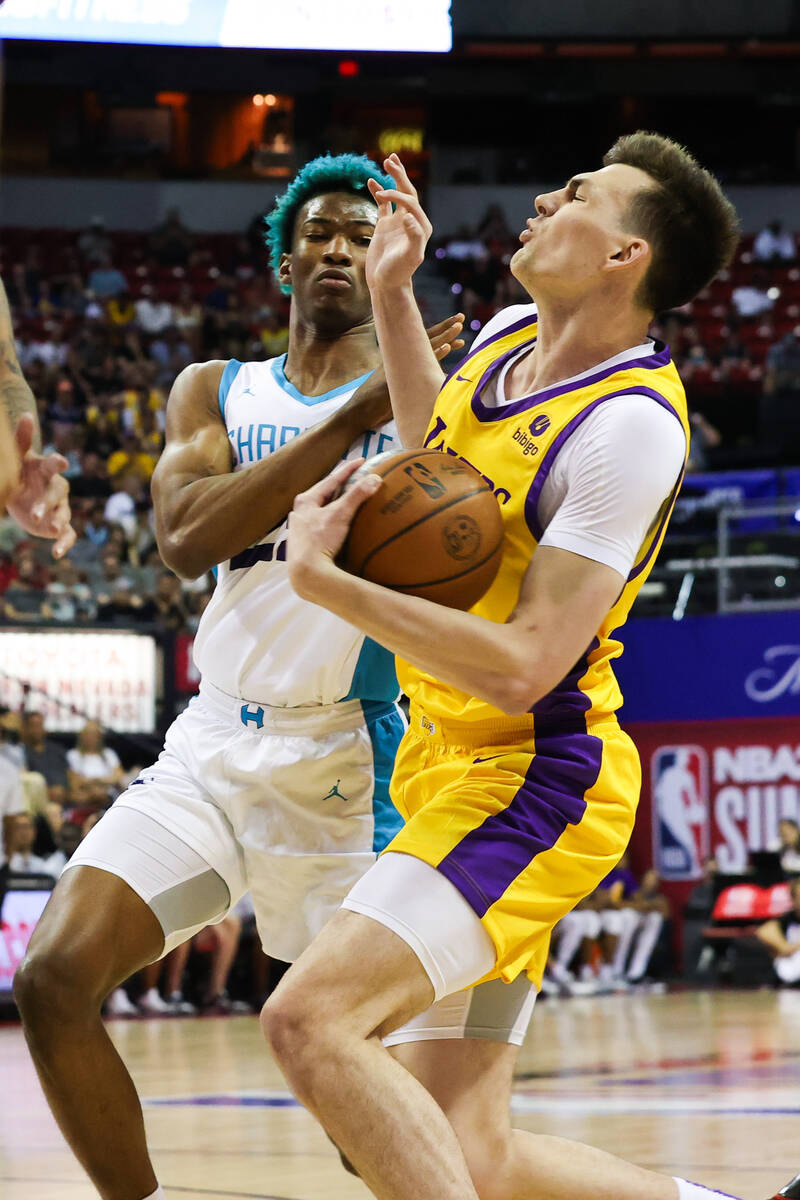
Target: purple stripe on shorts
566	764
490	858
651	362
545	466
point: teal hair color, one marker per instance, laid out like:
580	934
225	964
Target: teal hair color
328	173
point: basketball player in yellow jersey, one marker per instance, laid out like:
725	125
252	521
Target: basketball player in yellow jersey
518	786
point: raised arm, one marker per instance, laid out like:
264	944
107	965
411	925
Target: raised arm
31	485
204	512
16	397
396	250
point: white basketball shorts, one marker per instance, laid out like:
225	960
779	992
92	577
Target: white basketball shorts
291	805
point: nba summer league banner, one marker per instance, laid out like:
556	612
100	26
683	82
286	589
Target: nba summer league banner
712	704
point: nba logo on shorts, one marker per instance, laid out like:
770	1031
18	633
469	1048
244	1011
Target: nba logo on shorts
680	811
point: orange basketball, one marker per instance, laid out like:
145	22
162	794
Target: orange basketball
433	529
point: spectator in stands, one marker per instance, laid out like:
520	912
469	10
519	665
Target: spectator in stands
69	599
106	281
64	407
188	316
11	748
774	245
653	909
274	335
45	755
108	571
72	296
779	405
696	916
171	241
789	834
618	921
66	838
96	528
702	896
170	609
705	437
123	605
153	314
781	936
94	244
50	348
24	600
19	846
733	351
66	440
92	481
576	939
219	295
143	539
11	800
94	769
121	504
132	459
752	299
121	310
171	353
783	366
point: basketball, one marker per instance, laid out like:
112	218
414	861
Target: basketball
433	529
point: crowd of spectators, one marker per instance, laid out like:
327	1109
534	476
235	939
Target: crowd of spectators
608	943
620	938
106	320
104	323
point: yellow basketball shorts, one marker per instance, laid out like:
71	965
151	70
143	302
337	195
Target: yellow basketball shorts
524	826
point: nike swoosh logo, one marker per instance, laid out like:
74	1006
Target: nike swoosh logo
463	379
488	757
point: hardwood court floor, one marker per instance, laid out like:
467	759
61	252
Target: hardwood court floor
699	1084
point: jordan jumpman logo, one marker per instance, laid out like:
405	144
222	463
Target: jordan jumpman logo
335	792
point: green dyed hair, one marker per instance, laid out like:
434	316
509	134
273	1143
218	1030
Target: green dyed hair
342	173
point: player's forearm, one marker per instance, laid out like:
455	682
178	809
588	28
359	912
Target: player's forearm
9	460
203	522
412	371
480	657
16	398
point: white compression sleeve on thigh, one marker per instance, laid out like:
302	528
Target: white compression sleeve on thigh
695	1191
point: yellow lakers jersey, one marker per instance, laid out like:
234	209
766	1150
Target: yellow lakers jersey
514	446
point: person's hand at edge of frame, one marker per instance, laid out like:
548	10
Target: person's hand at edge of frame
40	502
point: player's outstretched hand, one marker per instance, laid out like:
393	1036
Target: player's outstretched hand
318	525
371	399
445	335
40	503
401	234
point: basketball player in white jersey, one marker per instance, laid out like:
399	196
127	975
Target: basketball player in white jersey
275	778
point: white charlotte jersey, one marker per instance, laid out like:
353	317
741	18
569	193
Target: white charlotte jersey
257	639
